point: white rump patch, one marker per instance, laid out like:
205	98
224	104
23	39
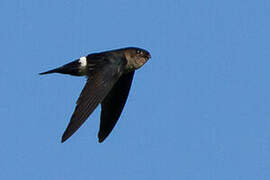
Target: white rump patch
83	61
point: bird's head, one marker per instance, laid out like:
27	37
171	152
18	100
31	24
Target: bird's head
136	57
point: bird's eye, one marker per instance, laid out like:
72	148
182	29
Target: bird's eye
139	52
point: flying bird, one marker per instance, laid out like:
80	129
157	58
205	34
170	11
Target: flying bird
109	77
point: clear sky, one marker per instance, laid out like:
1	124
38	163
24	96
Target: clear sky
198	110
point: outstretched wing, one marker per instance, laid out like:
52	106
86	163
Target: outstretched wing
113	104
100	81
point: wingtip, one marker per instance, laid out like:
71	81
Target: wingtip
47	72
101	137
64	138
100	140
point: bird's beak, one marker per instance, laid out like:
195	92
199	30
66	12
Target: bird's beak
148	56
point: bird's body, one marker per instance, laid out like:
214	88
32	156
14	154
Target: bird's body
109	77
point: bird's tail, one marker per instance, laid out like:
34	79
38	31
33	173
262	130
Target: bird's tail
72	68
50	71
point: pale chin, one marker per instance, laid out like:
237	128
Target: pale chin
141	62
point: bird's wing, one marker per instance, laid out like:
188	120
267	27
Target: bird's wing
98	85
113	104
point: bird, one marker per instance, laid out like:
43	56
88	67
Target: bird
109	77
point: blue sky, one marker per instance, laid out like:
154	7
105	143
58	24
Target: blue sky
199	109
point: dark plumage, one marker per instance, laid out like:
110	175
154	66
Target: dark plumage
109	77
